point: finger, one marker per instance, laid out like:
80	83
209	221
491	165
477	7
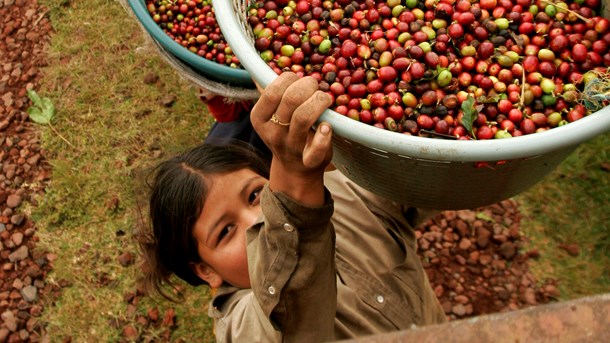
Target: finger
308	113
319	151
294	96
270	99
259	87
205	95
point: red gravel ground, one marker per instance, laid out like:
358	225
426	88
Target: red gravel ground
24	32
474	258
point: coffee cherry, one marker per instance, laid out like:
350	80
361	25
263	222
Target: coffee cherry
414	63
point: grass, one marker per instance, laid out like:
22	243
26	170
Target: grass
570	206
97	63
94	202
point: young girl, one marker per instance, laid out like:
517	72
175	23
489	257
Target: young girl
295	253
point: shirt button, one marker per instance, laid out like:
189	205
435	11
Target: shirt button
380	298
271	290
288	227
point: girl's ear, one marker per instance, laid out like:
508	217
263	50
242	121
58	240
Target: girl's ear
207	274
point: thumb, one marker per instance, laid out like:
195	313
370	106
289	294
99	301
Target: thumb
319	150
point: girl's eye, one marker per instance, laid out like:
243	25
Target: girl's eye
225	231
253	199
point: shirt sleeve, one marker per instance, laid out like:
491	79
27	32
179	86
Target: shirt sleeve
291	253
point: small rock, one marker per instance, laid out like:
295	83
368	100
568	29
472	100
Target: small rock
17	238
142	321
130	332
4	332
572	249
500	238
483	235
439	291
7	212
153	314
36	310
129	296
17	219
462	299
29	293
9	320
501	265
32	161
33	271
503	294
529	296
485	259
508	250
13	200
424	244
446	305
467	215
448	236
534	253
551	290
126	259
20	254
8	100
17	284
169	318
465	244
459	310
39	284
462	228
474	256
131	309
31	324
167	100
460	259
15	295
24	335
32	36
150	78
29	13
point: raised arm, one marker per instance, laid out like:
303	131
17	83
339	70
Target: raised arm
293	270
291	248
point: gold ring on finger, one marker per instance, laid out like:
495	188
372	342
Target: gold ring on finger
275	120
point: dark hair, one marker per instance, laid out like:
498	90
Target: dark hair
177	196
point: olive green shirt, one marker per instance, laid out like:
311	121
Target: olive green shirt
320	275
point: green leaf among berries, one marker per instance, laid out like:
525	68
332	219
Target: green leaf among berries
470	113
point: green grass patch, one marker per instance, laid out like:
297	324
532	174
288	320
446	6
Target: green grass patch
118	130
570	207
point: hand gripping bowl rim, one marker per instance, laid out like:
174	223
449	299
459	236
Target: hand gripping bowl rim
535	144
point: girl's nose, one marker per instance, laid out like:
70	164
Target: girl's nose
250	215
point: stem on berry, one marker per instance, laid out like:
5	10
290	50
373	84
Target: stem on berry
567	9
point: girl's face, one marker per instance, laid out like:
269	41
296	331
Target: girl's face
232	206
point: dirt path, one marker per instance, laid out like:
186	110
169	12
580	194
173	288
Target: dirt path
473	257
24	33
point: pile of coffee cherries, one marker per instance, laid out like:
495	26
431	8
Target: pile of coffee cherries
192	24
455	69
